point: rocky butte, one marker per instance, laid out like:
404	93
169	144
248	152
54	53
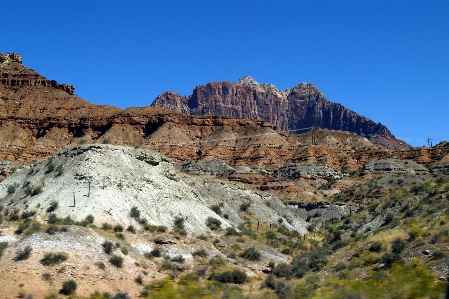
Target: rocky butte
292	110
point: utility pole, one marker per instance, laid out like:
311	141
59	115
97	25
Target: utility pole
313	135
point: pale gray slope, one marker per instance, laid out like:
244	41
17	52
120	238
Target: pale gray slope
122	177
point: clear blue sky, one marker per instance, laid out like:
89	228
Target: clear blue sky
387	60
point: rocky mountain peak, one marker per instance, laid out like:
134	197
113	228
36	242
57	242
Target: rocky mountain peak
248	80
10	57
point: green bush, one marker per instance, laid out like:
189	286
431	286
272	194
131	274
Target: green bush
37	190
134	213
52	206
213	223
108	247
156	252
23	254
251	254
398	245
89	218
178	223
230	231
11	189
51	258
118	228
200	252
116	260
106	226
235	276
283	270
68	287
245	206
376	247
216	209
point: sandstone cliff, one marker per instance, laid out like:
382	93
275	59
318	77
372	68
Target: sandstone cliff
292	110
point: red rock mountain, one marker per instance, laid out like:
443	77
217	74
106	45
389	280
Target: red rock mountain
39	118
292	110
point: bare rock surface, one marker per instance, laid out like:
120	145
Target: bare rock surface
107	181
296	170
393	166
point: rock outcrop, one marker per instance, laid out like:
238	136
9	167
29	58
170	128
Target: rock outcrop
294	110
14	74
393	166
295	171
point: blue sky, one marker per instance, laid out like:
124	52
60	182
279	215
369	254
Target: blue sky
387	60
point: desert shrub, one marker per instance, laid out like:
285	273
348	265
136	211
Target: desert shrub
134	213
52	206
37	190
90	218
244	207
390	258
230	231
283	270
118	228
216	262
3	246
200	252
178	222
414	233
202	237
28	227
213	223
116	260
50	167
68	287
106	226
51	258
284	230
178	259
251	254
59	170
108	247
270	282
23	254
101	265
234	276
11	189
120	236
46	276
131	229
14	217
121	295
398	245
124	250
139	280
161	228
317	258
156	252
376	247
216	209
437	254
27	214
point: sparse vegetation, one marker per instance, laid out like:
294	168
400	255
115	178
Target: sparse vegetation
23	253
3	246
51	258
134	213
52	206
68	287
116	260
213	223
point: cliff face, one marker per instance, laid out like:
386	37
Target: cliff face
292	110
